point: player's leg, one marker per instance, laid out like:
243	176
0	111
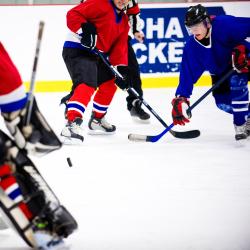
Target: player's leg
240	104
233	97
134	105
27	201
76	106
248	121
102	99
82	67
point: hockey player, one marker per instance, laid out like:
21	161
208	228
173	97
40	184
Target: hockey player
134	104
217	45
25	198
100	24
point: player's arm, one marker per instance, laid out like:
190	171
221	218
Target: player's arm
135	21
190	72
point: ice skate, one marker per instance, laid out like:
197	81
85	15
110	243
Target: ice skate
248	127
72	133
138	113
99	126
240	132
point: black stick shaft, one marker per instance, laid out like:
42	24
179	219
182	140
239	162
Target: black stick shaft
216	85
33	75
130	90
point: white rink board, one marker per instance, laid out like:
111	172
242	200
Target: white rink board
19	28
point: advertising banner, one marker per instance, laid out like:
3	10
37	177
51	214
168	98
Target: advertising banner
165	35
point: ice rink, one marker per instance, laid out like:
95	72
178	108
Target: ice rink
171	195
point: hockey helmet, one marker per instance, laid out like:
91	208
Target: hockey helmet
195	14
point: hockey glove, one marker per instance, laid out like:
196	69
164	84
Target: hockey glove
89	36
179	111
125	82
36	137
239	59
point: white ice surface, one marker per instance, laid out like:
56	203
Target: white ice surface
171	195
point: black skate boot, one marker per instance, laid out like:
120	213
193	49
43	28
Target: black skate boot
137	111
248	126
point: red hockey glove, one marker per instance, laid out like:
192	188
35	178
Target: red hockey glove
89	36
179	114
239	59
125	82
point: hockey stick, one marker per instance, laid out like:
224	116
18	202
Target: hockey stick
155	138
183	135
33	75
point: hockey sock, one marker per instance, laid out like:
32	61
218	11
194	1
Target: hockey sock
103	98
78	102
240	98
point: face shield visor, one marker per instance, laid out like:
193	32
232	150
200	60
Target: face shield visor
197	27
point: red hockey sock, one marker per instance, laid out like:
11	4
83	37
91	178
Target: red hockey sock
103	98
78	102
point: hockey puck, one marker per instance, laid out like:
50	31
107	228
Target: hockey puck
69	162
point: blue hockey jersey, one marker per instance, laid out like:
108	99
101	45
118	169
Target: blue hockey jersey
226	33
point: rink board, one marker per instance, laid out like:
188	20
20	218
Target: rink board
159	56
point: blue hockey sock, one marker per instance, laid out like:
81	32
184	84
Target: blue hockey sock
240	98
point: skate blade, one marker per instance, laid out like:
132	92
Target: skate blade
136	119
241	143
100	132
71	141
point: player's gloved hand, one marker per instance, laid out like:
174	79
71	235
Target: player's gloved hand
125	82
36	137
89	36
239	59
179	111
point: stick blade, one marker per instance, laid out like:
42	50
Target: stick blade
186	134
137	138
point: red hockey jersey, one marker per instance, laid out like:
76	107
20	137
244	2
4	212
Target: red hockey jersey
112	28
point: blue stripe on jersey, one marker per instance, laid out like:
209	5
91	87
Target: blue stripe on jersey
13	106
100	108
74	45
69	44
15	193
75	106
